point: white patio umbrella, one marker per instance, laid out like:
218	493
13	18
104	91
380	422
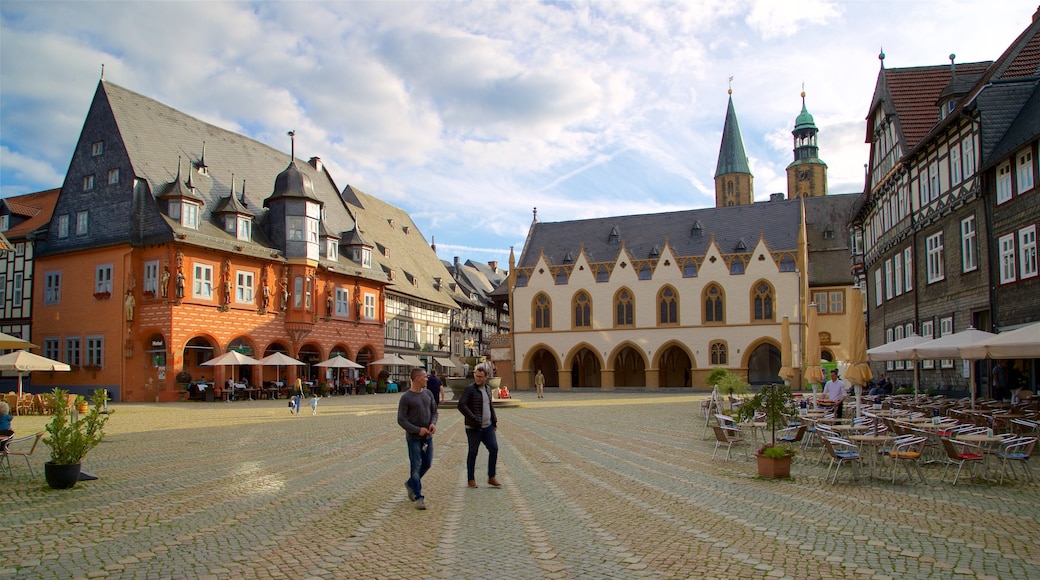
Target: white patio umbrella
231	358
8	342
899	350
393	359
339	362
950	346
277	360
24	362
1022	342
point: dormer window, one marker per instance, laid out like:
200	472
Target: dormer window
366	257
190	215
245	228
97	148
828	233
230	224
331	249
614	236
294	228
386	252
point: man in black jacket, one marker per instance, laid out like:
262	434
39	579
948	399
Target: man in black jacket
481	422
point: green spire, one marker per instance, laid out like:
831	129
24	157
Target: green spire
732	158
804	119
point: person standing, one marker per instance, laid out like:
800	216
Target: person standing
435	386
481	423
297	394
999	381
417	415
834	391
539	383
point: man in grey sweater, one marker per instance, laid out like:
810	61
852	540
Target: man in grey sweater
417	415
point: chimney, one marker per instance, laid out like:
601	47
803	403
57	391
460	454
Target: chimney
776	197
433	243
458	267
494	265
317	164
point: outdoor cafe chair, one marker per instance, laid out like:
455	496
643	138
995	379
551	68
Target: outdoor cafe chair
908	451
7	451
1016	449
960	456
824	431
1025	426
728	437
841	451
792	435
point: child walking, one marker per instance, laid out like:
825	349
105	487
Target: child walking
314	404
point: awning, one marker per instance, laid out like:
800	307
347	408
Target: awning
445	362
413	361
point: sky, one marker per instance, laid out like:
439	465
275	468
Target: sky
470	114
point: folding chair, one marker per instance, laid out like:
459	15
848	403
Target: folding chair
908	450
841	451
729	437
5	455
960	457
1016	449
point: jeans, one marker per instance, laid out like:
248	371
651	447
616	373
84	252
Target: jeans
475	437
420	457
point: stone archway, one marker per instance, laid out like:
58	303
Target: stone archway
764	365
629	368
674	368
545	361
585	369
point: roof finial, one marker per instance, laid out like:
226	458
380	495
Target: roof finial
881	57
730	91
953	65
102	71
803	93
232	192
292	140
535	214
243	198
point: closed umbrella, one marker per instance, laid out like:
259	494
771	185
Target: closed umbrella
858	372
786	370
813	370
24	362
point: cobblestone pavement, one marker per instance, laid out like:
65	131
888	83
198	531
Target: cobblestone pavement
595	485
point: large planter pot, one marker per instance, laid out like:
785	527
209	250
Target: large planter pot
774	467
458	385
61	476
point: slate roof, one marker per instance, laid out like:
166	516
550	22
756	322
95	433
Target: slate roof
28	212
777	222
830	257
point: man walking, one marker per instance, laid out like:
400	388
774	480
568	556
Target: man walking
539	383
835	392
481	422
417	415
435	386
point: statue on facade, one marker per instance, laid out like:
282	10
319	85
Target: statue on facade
180	284
285	294
164	282
128	305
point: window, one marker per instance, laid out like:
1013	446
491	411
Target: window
331	249
1004	182
820	300
294	228
897	277
933	179
16	291
889	288
72	345
151	277
736	267
762	300
52	288
908	269
1024	170
542	310
244	287
955	165
946	328
3	290
668	306
190	216
81	223
602	274
922	185
245	233
714	311
582	311
366	257
52	348
63	226
644	272
174	209
312	231
787	264
113	176
97	148
88	182
968	156
202	283
837	302
934	248
95	351
877	287
103	278
889	337
1027	252
926	332
898	335
718	353
689	269
370	306
1006	247
342	302
624	307
298	291
969	245
561	276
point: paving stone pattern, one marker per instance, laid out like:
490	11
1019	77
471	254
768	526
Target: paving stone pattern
595	485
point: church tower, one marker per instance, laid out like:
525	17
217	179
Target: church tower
807	174
734	184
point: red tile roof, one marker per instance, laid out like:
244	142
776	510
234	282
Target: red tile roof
39	206
914	92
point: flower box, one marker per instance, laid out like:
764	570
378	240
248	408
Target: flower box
148	294
102	295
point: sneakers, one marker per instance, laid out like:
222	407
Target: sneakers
494	482
420	504
472	483
411	494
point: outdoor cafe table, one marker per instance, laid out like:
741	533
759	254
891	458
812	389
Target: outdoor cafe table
874	442
834	420
757	428
847	429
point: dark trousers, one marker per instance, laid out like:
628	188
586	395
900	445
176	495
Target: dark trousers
420	458
839	408
475	437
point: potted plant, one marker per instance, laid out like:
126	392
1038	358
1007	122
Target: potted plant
81	404
776	401
71	440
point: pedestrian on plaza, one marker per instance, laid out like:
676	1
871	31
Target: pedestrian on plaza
835	392
297	394
539	383
999	381
417	415
314	403
481	423
435	386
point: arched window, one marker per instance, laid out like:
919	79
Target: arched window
762	302
714	305
668	306
542	312
582	311
718	353
624	307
